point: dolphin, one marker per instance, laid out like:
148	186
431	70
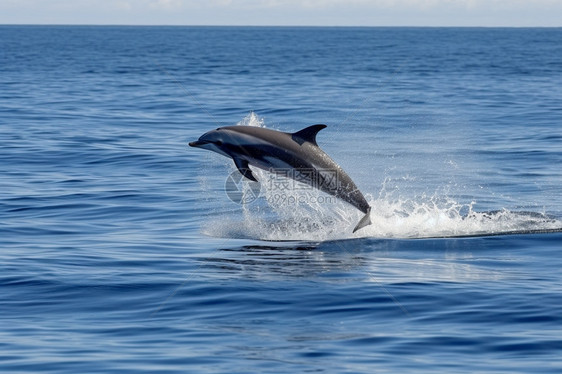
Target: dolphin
293	155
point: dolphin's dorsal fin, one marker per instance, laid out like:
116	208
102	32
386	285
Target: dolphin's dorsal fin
244	168
308	134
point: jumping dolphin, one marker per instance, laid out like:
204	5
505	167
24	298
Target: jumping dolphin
294	155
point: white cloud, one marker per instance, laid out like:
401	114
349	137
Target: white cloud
123	5
166	4
422	4
287	12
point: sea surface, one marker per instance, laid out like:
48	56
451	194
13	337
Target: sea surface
122	250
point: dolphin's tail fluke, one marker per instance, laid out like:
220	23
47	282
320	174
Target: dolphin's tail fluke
365	221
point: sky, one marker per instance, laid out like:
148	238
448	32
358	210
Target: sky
512	13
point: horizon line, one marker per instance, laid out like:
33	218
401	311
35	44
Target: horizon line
275	26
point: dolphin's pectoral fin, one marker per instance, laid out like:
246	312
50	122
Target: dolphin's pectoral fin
244	168
308	134
365	221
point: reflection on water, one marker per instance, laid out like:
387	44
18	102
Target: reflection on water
386	261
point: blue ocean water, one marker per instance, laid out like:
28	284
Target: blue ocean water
121	251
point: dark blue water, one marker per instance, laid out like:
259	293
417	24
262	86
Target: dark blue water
121	252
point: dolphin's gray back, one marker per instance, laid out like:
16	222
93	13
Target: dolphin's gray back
259	145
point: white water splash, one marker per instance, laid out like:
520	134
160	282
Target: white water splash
304	213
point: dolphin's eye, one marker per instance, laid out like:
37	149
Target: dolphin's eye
218	143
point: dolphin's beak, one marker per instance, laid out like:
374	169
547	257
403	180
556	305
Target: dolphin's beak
198	143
